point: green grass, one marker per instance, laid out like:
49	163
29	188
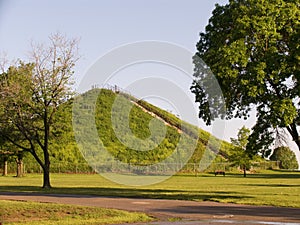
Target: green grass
33	213
150	146
276	188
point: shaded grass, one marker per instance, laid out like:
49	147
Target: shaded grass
16	212
274	188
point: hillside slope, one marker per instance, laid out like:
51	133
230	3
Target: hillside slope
136	132
131	131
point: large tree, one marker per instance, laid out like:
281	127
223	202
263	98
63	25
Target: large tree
31	94
252	47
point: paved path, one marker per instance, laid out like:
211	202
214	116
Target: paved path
188	211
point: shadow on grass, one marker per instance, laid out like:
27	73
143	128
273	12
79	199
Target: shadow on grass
272	174
79	192
258	212
285	175
274	185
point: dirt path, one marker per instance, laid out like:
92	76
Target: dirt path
156	116
210	212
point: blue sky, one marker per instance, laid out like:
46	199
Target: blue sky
105	25
101	25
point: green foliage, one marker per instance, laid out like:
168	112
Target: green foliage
242	138
286	157
16	101
252	48
239	154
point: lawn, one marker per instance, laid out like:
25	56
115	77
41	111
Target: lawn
33	213
275	188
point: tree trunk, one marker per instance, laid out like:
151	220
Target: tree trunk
46	180
292	129
46	170
19	161
298	143
19	167
5	167
45	166
245	171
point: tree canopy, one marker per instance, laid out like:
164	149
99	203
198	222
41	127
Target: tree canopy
252	47
286	157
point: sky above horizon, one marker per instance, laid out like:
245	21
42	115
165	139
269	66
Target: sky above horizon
103	26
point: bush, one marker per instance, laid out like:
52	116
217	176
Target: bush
286	157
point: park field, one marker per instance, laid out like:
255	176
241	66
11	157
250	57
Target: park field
273	188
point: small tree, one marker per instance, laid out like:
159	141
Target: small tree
31	94
239	154
286	157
